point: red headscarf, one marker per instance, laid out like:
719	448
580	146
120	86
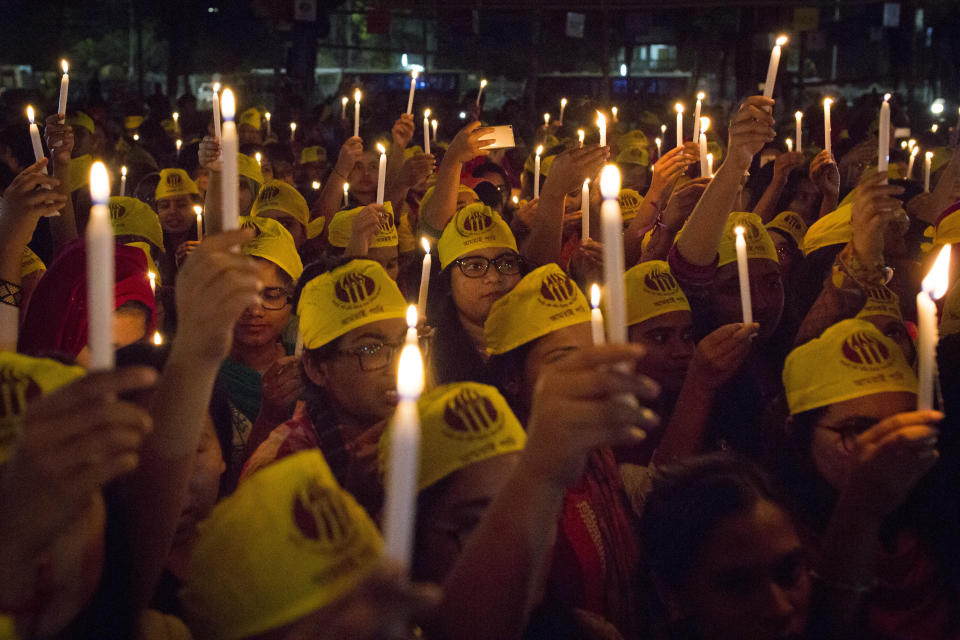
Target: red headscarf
56	318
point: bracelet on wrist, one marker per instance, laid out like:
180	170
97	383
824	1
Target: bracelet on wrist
11	293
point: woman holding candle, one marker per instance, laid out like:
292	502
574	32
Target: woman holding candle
350	165
368	232
175	195
281	202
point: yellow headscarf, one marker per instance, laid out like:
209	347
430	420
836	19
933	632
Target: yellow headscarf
173	183
350	296
278	195
791	224
132	217
652	291
759	243
833	228
341	227
476	226
852	359
461	424
545	301
288	542
273	243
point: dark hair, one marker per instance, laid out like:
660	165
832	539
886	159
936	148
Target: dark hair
687	502
453	355
505	372
285	277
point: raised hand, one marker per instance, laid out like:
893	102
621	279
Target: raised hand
875	207
31	196
681	203
669	167
572	167
750	129
469	143
348	157
402	131
209	152
825	174
720	354
785	163
59	139
416	170
364	229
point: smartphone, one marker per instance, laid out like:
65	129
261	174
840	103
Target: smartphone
502	137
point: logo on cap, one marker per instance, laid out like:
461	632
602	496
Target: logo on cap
117	211
174	180
660	281
470	414
354	289
865	350
628	200
322	515
557	290
476	220
793	222
385	225
269	193
881	294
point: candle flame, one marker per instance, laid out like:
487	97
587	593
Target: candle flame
267	116
678	107
798	115
123	170
216	87
426	113
782	40
152	276
903	144
539	149
157	338
563	102
381	148
293	126
99	183
739	231
663	128
357	95
30	113
701	96
136	137
789	142
827	101
911	143
425	244
414	74
594	295
614	111
412	316
610	181
346	187
176	116
483	83
546	118
256	156
934	127
179	144
516	200
315	185
197	209
658	142
434	123
228	106
581	134
928	155
937	278
914	152
65	66
704	124
886	97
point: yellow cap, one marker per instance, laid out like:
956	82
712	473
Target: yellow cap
80	119
249	168
476	226
280	196
461	188
273	243
173	183
315	227
634	138
289	541
759	243
652	291
634	155
791	224
132	217
22	379
947	228
251	117
415	150
341	226
151	265
630	201
350	296
30	263
543	302
833	228
132	122
881	301
313	154
80	171
851	359
461	423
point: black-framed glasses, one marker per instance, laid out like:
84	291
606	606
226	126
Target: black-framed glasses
373	357
274	298
507	264
849	429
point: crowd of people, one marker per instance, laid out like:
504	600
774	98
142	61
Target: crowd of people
708	479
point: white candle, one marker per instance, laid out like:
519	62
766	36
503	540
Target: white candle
799	118
403	465
911	143
696	115
659	143
826	123
536	172
64	89
123	180
704	125
178	143
913	156
426	131
563	106
298	345
100	272
934	287
230	178
216	111
343	107
356	112
602	126
773	66
581	134
382	174
789	143
259	158
927	165
596	317
883	146
153	281
35	137
346	194
663	130
413	87
483	83
424	278
546	120
585	211
613	260
176	121
433	126
744	273
710	164
157	338
679	108
293	131
614	111
266	116
197	209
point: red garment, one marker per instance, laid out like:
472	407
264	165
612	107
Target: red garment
56	319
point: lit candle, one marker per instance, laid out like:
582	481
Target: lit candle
433	126
614	111
35	137
266	116
744	273
426	130
343	107
581	134
123	180
679	108
230	178
710	164
826	123
913	156
64	88
259	159
293	131
216	110
789	143
536	172
157	338
585	211
934	127
197	209
704	125
799	118
483	83
596	317
663	130
613	260
178	143
773	66
696	115
602	126
100	272
413	87
346	194
356	112
382	175
424	278
911	143
153	281
934	286
315	185
176	121
403	466
659	143
546	120
927	164
883	147
563	106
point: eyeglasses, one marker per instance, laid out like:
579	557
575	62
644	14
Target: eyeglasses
274	298
508	264
850	429
373	357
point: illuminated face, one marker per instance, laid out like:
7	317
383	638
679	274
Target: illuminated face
176	214
766	290
259	326
473	297
669	344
